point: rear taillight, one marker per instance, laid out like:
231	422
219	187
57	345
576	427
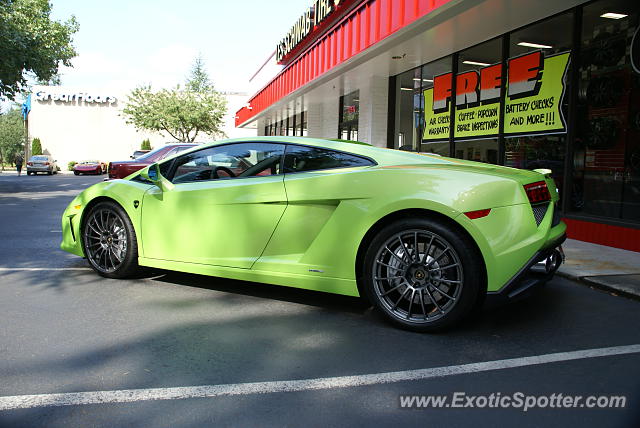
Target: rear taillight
537	192
30	163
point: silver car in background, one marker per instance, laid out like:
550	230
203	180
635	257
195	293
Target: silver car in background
41	163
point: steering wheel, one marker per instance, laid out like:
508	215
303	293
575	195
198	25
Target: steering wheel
224	169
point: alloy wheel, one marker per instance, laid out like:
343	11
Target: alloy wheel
105	240
417	276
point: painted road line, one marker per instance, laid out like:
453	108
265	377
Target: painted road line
6	269
209	391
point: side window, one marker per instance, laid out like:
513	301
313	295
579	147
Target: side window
304	158
229	161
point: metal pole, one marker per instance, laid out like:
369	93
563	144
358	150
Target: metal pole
26	141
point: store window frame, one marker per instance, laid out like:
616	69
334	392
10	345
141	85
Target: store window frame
350	125
505	39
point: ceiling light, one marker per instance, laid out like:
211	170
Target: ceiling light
613	15
406	89
481	64
356	100
424	80
534	45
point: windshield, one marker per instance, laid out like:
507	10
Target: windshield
39	158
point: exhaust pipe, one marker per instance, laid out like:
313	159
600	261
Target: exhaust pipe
551	263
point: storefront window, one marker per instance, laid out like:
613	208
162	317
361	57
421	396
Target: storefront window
545	148
434	135
303	124
606	162
349	113
290	125
409	110
476	119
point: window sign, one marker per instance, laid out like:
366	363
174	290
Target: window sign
437	109
535	88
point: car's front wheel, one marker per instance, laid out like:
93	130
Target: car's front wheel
109	241
422	275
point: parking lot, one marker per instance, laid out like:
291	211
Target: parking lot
64	329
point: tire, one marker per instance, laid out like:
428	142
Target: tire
50	172
76	173
427	290
109	241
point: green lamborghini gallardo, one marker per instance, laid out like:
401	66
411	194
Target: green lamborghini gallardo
424	238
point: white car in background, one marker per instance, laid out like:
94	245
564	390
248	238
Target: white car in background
41	163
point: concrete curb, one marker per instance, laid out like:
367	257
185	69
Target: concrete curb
609	269
601	284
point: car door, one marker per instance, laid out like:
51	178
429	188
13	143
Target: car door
223	208
317	182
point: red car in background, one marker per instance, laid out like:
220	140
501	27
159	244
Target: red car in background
123	168
90	167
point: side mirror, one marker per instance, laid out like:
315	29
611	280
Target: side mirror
152	173
132	157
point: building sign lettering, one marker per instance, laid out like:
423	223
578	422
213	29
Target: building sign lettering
314	15
43	96
535	88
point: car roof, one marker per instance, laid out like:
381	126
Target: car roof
382	156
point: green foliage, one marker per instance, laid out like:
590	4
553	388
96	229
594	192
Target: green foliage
36	147
181	113
30	42
11	135
198	80
54	80
146	144
71	164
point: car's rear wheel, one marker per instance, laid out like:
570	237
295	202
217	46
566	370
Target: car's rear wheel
109	241
422	275
76	172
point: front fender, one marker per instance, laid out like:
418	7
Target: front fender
122	192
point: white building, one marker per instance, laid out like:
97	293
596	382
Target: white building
75	124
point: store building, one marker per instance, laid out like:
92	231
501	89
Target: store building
546	84
75	124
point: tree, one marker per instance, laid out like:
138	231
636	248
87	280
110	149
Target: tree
55	80
36	147
146	144
198	80
183	113
11	136
32	43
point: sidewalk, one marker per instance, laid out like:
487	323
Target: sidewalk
607	268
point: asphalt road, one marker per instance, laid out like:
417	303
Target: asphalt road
67	330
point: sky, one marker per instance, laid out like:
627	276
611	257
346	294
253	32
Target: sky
125	43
